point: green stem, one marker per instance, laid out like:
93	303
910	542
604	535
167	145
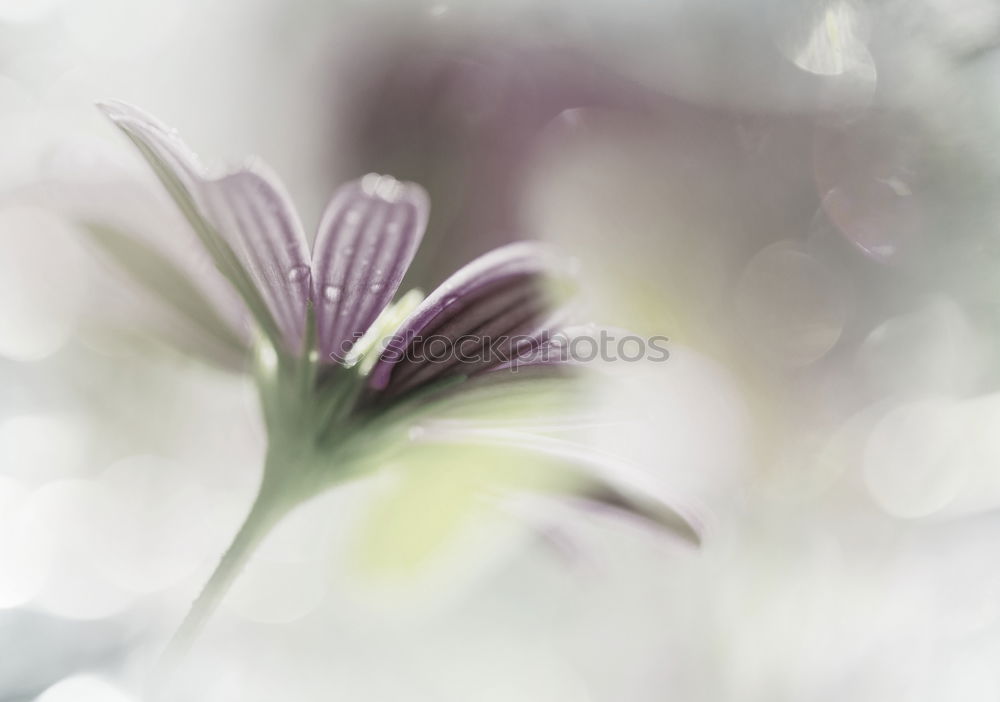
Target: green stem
272	503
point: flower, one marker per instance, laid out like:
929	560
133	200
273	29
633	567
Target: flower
367	237
341	371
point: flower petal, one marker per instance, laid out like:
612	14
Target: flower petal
478	318
555	346
597	476
185	307
244	219
367	238
141	238
251	209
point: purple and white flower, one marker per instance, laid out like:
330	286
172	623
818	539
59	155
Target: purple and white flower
339	366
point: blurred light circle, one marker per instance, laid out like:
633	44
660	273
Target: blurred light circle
663	46
913	460
40	447
930	350
23	565
791	304
84	688
980	417
867	178
59	519
42	283
824	37
152	533
876	216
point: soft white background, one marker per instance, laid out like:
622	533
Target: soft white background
831	400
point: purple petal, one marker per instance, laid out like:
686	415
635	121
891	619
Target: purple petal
497	303
249	210
156	136
554	346
368	235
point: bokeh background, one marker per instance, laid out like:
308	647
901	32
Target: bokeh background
801	194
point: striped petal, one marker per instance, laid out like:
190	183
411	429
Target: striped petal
482	316
251	209
245	220
555	347
366	241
